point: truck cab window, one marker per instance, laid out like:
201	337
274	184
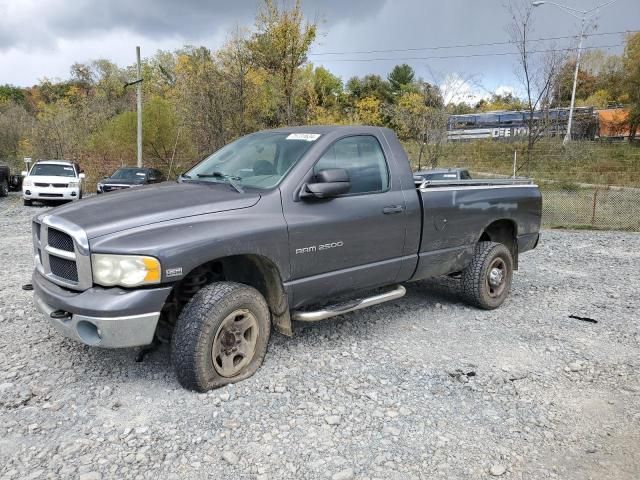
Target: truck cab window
361	156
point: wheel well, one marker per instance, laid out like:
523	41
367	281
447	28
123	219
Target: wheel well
254	270
505	232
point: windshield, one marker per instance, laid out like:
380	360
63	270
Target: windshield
259	160
129	174
52	170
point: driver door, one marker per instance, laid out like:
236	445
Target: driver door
353	241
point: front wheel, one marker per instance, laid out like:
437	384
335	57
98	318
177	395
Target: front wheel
486	281
4	188
27	203
221	336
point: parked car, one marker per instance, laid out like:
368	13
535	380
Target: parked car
127	177
301	223
442	174
15	182
52	180
5	177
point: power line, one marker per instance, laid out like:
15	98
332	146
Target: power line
468	45
470	55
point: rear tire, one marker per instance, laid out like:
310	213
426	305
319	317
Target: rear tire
221	336
486	281
27	203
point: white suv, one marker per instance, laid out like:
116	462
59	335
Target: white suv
55	180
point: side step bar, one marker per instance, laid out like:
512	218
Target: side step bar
349	306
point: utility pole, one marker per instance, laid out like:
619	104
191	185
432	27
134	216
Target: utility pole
567	137
139	107
583	16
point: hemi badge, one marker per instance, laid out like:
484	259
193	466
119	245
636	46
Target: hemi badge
174	272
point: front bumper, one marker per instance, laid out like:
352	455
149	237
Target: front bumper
102	317
50	193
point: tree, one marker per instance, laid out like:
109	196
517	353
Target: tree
563	84
280	46
235	59
368	111
497	101
401	77
327	87
11	93
536	73
420	116
631	62
369	86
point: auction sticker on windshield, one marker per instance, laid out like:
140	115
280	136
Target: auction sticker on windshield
309	137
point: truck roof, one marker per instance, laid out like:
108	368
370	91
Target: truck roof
324	129
56	162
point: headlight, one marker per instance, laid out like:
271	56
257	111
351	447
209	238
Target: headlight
73	184
124	270
28	182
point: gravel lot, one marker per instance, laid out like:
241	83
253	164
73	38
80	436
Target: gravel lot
423	387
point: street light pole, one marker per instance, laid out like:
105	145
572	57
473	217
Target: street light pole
567	137
139	106
581	15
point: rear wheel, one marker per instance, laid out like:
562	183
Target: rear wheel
221	336
486	282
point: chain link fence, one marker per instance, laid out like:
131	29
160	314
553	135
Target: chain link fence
584	185
592	207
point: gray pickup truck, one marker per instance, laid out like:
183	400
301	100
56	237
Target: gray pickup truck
300	224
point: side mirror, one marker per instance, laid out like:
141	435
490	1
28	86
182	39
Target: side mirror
329	183
24	173
82	176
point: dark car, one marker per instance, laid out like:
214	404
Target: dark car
127	177
5	177
442	174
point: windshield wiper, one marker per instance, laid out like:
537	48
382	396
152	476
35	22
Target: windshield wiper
231	179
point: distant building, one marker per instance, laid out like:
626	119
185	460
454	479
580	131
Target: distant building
509	125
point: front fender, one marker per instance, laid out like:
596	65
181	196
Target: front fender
183	244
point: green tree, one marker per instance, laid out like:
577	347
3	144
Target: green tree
369	86
280	46
401	77
631	62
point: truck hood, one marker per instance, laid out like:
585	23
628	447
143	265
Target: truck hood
51	179
116	181
135	207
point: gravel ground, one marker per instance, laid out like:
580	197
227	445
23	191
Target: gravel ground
423	387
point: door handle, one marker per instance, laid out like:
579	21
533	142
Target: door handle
391	209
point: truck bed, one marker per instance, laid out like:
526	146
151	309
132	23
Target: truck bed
457	212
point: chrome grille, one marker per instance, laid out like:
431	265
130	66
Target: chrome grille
60	240
62	253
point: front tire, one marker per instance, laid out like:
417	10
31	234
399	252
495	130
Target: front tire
486	281
27	203
4	188
221	336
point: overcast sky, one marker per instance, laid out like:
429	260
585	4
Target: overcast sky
42	38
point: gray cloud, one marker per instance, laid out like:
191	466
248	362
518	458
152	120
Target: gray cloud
50	20
44	37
